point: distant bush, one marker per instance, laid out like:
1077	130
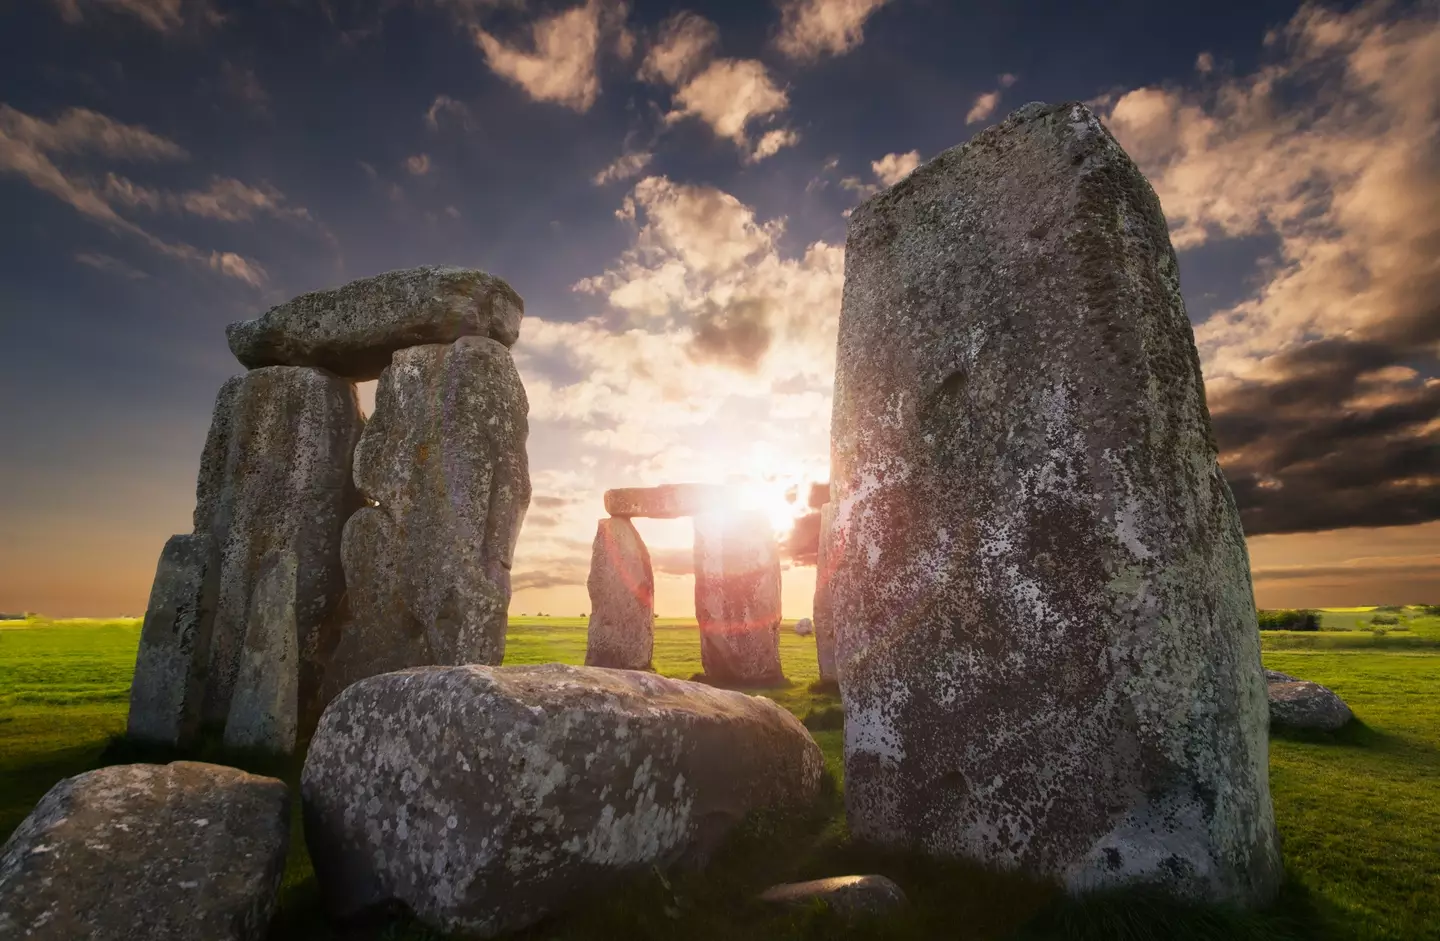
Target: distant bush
1430	610
1390	609
1289	619
1386	619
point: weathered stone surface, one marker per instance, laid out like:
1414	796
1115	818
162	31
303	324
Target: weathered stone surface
484	798
844	895
177	852
804	627
1300	704
428	569
823	607
622	598
668	501
170	666
353	330
737	598
275	476
1275	676
1044	620
264	709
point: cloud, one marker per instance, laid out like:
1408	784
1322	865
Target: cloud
445	108
984	107
110	265
771	143
1204	63
684	46
1369	567
163	16
244	86
729	94
560	65
418	164
810	29
1320	384
80	130
623	167
892	168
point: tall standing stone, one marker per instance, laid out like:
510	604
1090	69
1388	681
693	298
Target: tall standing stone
1045	623
170	666
275	476
824	610
622	598
737	598
443	456
264	708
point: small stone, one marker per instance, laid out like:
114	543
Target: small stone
177	852
263	708
1275	676
823	608
668	501
804	627
737	598
622	598
170	665
1300	704
353	330
483	799
847	896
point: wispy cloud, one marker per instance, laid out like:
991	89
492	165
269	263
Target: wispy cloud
559	62
448	110
623	167
162	16
417	164
110	265
810	29
243	85
685	45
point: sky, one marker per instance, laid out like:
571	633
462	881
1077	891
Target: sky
667	187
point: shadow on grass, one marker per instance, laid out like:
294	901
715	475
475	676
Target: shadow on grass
1353	734
760	687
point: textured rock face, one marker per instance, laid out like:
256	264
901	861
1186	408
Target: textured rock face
178	852
428	569
845	895
737	598
353	330
275	476
170	666
264	709
485	798
668	501
1044	620
824	609
622	599
1300	704
804	627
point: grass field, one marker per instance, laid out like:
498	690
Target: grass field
1359	811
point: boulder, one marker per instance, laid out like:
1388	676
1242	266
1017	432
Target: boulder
1300	704
847	896
1275	676
1044	621
737	598
170	665
804	627
177	852
353	330
275	476
483	798
668	501
622	598
443	455
824	610
264	707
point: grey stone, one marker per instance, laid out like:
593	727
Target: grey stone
1275	676
264	709
737	598
804	627
170	666
1300	704
1045	627
668	501
353	330
622	598
844	895
177	852
428	569
485	798
823	608
275	476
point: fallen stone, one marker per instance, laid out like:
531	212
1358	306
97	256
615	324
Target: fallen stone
622	598
1045	627
823	608
484	799
1300	704
275	476
170	665
264	707
737	598
177	852
353	330
847	896
668	501
428	569
1275	676
804	627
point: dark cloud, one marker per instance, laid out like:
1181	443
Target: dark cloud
803	544
552	578
546	502
737	336
1398	567
667	561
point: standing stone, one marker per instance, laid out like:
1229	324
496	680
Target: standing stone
177	852
275	476
483	799
622	598
264	708
170	666
824	610
737	598
353	330
1044	619
443	455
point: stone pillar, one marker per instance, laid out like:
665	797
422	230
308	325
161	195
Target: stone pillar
264	708
824	615
737	598
1044	619
622	598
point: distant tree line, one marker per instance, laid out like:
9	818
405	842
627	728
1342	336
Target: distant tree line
1289	619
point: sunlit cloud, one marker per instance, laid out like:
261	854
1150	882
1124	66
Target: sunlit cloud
559	64
810	29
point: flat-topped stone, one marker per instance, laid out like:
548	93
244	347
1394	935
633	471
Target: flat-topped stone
668	501
353	330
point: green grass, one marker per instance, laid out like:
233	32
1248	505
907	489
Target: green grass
1359	811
